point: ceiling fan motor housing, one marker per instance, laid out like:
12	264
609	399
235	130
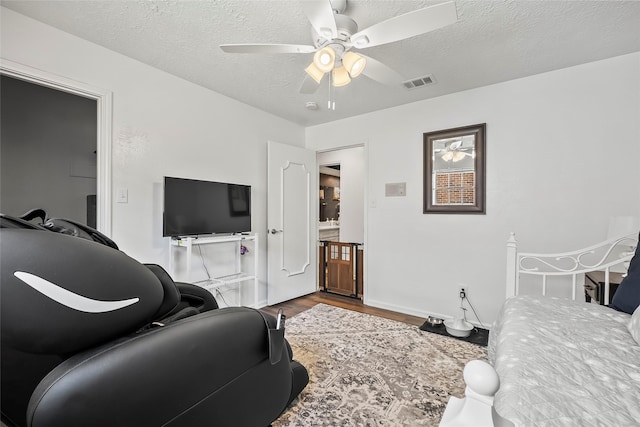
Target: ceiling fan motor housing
346	28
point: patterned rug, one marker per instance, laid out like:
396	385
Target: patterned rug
369	371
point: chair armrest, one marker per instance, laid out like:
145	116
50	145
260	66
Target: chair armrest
205	367
197	296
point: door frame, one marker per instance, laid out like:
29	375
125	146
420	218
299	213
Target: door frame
368	202
104	102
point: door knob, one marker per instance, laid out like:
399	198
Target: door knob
274	231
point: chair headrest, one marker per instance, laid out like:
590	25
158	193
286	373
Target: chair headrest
74	228
61	294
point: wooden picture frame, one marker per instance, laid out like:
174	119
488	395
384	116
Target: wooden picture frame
454	170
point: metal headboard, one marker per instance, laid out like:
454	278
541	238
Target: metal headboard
612	255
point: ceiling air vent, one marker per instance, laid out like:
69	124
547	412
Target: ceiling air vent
419	82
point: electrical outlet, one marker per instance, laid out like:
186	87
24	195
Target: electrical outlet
462	291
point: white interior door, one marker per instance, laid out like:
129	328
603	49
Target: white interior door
291	219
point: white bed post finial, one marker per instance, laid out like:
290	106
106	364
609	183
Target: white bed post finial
512	265
475	408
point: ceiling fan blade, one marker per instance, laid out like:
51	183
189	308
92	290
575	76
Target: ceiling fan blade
320	14
408	25
267	48
455	144
308	85
379	72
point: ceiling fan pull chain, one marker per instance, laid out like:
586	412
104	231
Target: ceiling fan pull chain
330	90
331	104
330	85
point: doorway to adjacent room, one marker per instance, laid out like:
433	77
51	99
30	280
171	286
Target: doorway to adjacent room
341	221
96	162
49	151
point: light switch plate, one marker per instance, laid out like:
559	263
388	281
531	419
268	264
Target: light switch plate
122	195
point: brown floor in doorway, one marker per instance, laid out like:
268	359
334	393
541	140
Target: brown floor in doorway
298	305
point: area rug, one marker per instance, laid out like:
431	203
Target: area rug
369	371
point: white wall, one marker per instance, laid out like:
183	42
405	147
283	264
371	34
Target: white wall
162	125
563	155
352	173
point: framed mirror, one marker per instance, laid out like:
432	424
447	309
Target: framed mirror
454	170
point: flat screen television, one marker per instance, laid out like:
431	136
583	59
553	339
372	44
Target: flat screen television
194	207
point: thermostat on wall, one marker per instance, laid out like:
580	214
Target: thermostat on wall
395	189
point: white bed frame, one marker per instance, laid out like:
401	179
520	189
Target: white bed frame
612	255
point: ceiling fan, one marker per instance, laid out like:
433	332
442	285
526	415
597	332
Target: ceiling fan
454	151
335	35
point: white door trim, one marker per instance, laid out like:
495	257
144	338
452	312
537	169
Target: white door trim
368	199
104	104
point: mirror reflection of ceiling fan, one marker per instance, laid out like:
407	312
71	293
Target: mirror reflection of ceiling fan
336	36
454	151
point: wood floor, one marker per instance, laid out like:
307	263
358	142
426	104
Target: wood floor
298	305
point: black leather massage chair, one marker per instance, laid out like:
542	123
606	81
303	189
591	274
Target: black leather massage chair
91	337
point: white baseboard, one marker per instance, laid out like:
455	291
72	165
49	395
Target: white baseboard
414	312
261	304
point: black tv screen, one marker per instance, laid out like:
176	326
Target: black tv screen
193	207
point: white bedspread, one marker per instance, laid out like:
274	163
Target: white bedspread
565	363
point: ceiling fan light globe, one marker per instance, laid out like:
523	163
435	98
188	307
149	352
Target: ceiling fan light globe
354	63
340	77
457	156
324	59
314	72
447	156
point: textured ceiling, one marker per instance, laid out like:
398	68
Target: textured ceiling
493	41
